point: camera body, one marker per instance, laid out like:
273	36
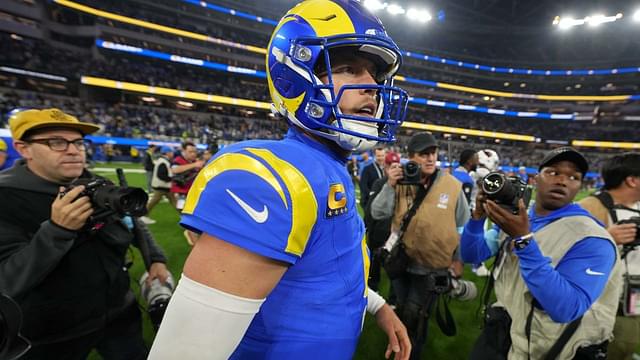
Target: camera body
108	198
439	281
633	220
506	191
412	173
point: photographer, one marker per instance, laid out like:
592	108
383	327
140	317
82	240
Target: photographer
184	168
70	281
619	201
431	236
161	179
556	279
378	230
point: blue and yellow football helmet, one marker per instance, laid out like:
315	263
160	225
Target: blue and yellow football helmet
303	41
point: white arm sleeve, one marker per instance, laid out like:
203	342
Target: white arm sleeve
202	322
374	302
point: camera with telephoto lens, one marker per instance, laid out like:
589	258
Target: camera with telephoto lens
506	191
411	173
444	282
108	198
463	290
157	296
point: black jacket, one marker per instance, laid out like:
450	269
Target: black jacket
148	161
378	231
67	283
370	174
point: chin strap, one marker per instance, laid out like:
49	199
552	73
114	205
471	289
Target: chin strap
356	143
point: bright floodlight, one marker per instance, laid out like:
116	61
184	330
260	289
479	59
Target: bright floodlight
422	16
395	9
374	5
636	15
595	20
567	22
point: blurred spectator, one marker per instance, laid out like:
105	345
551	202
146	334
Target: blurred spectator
147	162
371	173
161	179
468	163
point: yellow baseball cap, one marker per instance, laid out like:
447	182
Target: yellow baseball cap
26	120
3	145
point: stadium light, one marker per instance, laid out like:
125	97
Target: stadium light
636	15
566	22
374	5
422	16
395	9
595	20
186	104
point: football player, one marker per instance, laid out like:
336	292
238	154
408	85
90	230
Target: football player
281	266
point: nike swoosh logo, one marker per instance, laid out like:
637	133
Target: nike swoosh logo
257	216
591	272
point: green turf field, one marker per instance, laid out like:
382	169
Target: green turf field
372	343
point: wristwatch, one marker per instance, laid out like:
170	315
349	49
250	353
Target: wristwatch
521	242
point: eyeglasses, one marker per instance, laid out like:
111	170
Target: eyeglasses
60	144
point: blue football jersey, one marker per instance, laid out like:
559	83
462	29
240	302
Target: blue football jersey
290	200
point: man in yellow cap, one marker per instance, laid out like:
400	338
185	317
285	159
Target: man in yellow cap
66	271
3	154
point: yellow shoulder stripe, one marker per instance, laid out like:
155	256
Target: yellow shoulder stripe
226	162
304	207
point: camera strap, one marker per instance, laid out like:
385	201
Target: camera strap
446	323
487	290
606	200
557	347
420	195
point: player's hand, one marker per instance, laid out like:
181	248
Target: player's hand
394	173
514	225
478	212
622	233
69	211
198	164
158	271
399	343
